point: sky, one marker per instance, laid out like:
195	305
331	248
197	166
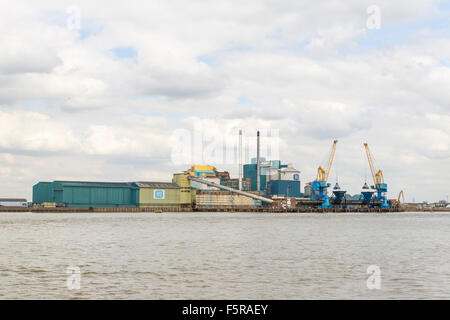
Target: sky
101	90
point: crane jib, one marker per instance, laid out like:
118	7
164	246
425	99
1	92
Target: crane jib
323	174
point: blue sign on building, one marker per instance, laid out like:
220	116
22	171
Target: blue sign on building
159	194
296	177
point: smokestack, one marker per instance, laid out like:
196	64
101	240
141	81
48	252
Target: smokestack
258	178
240	159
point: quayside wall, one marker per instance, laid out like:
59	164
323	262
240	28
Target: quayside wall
215	209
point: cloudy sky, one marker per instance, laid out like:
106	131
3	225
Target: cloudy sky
94	90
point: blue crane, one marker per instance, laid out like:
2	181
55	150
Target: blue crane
320	185
378	180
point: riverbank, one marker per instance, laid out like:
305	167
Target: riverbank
218	209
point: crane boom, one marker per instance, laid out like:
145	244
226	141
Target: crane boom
330	160
401	195
369	158
377	176
322	174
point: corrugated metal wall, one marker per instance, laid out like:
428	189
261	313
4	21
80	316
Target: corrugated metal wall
99	196
250	172
86	194
288	188
182	180
42	192
147	199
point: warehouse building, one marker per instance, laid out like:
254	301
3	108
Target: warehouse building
10	202
162	195
115	194
42	192
86	194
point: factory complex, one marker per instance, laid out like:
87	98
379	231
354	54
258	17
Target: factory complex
261	185
201	186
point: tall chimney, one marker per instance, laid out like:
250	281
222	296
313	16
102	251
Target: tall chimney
258	178
240	159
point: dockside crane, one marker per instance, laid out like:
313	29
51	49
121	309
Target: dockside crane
397	202
378	180
320	185
401	195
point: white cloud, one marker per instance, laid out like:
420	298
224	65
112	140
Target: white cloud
32	131
39	133
333	39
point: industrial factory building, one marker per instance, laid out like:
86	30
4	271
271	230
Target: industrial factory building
250	172
284	181
208	191
86	194
208	173
287	188
210	186
162	195
82	194
183	182
276	179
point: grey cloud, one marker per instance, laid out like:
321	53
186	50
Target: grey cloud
15	62
179	85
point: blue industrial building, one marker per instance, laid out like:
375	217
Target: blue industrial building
276	179
250	171
287	188
86	194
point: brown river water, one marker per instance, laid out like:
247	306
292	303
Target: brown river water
224	256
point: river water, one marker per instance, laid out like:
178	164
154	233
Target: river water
224	256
